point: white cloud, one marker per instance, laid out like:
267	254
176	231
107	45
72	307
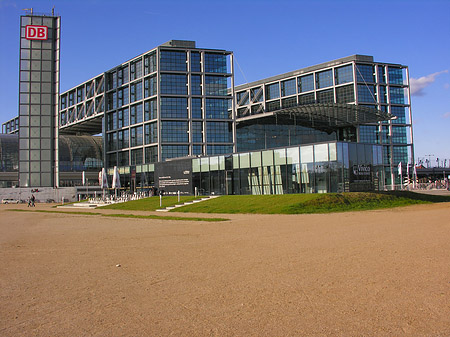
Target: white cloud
419	84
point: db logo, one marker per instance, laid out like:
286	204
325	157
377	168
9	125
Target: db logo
36	32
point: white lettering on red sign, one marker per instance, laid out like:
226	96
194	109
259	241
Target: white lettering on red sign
36	32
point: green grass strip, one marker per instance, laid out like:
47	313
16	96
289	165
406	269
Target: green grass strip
131	216
311	203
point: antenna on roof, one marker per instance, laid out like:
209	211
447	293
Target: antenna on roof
28	9
53	11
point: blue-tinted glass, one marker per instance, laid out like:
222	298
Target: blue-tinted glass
216	86
382	96
395	75
174	151
218	132
272	91
381	74
136	91
306	99
365	73
217	108
368	134
196	85
366	93
288	87
196	108
397	95
400	154
306	83
324	79
219	149
174	131
197	149
173	107
173	60
344	74
136	136
399	112
242	98
197	132
195	62
399	135
151	154
215	63
173	84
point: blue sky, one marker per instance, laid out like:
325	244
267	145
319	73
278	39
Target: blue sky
267	37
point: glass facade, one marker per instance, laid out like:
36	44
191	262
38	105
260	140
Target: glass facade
317	168
38	103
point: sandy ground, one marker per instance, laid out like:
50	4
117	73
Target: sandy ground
376	273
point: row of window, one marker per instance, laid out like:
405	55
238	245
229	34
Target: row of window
324	79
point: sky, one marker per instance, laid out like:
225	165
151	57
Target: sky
268	37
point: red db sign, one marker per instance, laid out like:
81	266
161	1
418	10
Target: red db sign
36	32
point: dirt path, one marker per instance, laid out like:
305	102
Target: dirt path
376	273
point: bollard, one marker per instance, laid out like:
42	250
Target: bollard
62	200
178	196
160	200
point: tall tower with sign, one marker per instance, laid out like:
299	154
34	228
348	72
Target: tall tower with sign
38	100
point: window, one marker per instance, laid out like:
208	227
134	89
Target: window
272	106
174	131
196	108
399	135
136	136
216	108
272	91
306	99
151	133
366	93
173	60
397	95
343	74
306	83
151	154
219	149
365	73
122	76
218	132
173	84
197	132
123	118
286	102
215	63
395	75
215	86
382	94
256	94
242	98
345	94
172	107
195	62
150	86
136	70
196	85
399	112
381	74
123	139
149	63
368	134
150	109
325	96
137	157
122	97
288	87
324	79
136	114
174	151
136	91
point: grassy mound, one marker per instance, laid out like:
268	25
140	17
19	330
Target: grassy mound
310	203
